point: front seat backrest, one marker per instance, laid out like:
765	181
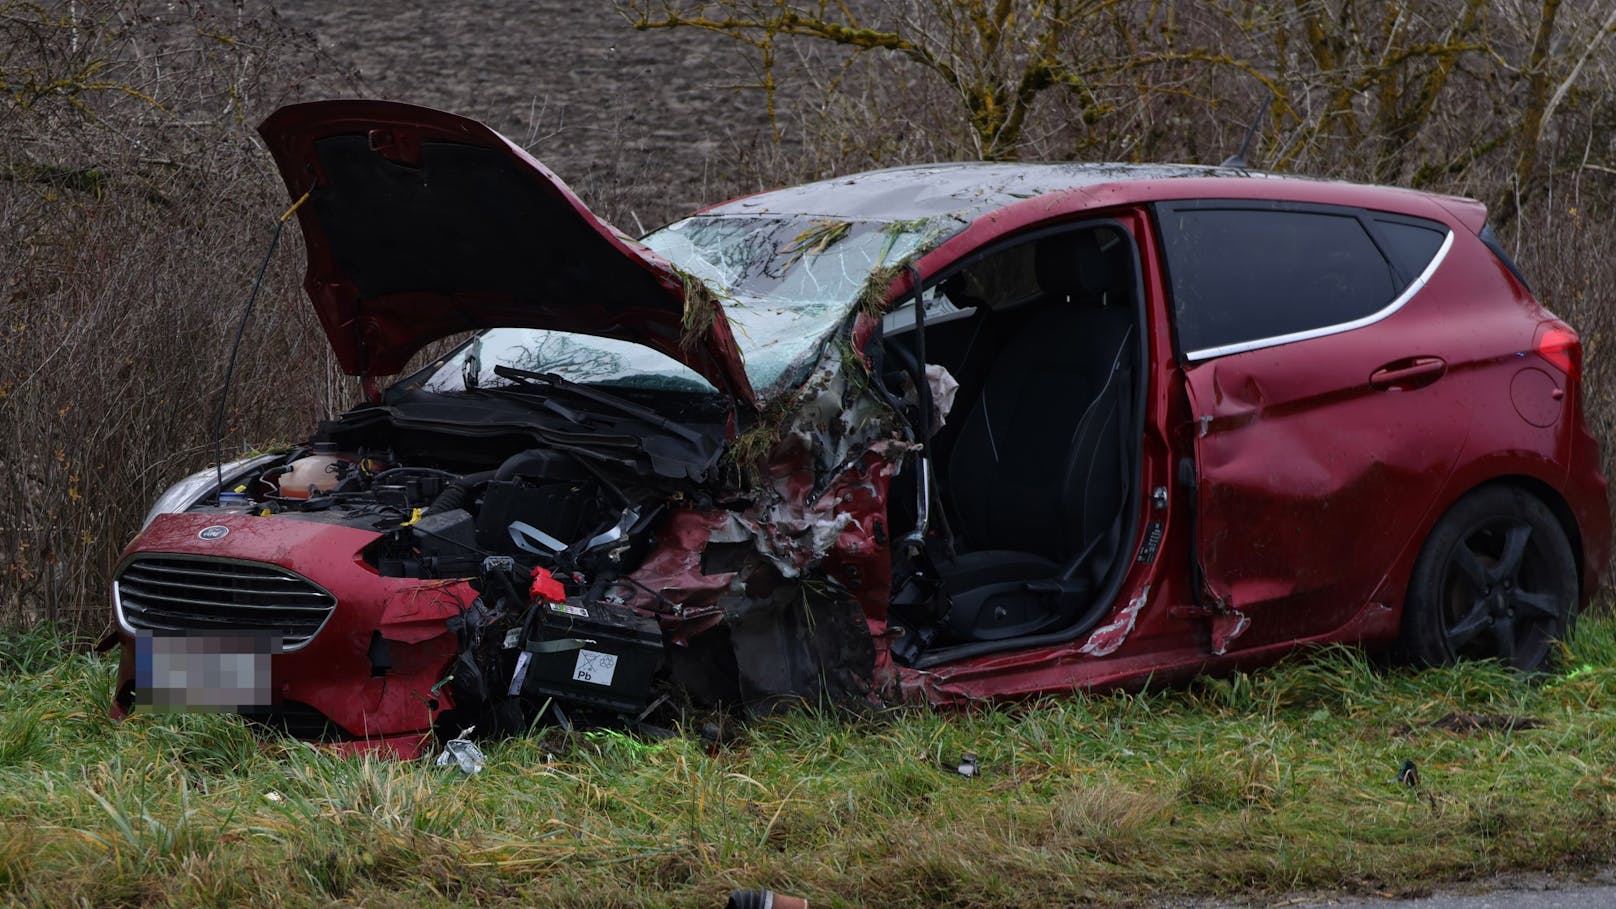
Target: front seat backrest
1019	477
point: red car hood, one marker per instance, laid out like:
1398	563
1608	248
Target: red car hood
421	224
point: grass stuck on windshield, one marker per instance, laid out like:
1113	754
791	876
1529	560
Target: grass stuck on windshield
1324	773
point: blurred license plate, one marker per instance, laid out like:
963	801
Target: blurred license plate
203	673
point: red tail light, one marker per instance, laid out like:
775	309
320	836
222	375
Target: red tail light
1558	344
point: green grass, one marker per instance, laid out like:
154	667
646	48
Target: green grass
1252	785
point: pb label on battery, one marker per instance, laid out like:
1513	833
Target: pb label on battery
595	667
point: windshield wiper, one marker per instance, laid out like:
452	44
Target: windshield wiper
472	372
552	382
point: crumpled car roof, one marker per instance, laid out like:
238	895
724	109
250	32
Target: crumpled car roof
965	190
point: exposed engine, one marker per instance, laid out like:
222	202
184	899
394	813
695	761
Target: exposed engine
543	471
538	506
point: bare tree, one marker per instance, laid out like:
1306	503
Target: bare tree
1387	90
996	58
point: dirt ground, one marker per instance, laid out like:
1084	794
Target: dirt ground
645	126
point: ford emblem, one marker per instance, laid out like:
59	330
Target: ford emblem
215	532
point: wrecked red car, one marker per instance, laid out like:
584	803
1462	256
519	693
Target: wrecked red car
931	434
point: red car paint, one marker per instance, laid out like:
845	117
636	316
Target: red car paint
1319	467
391	714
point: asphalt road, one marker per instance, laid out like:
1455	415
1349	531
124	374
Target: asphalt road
1568	896
1590	898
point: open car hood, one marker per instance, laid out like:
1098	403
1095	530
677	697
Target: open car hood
421	224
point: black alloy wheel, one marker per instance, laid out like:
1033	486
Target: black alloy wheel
1495	580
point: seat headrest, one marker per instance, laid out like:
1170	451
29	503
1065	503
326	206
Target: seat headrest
1075	266
958	291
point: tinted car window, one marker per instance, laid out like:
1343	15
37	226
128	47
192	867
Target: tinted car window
1246	274
1490	240
1410	245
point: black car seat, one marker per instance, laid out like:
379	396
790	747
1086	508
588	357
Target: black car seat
1036	476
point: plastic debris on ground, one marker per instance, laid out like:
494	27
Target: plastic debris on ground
1408	774
968	766
764	899
464	753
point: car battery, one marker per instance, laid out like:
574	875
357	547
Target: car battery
592	655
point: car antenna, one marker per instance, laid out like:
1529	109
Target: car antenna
1238	159
235	348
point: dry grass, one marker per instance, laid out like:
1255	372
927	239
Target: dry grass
1254	786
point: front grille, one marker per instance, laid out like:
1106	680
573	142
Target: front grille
177	595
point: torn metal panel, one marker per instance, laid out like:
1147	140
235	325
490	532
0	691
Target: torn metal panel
1108	637
821	514
812	519
418	613
1226	627
671	579
836	440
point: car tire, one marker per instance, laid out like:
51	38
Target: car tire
1496	579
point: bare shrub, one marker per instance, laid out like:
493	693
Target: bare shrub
135	205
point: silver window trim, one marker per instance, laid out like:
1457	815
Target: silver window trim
1207	353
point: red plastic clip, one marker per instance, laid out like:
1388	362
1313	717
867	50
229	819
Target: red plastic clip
546	587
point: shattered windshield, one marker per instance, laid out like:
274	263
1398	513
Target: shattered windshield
585	359
785	283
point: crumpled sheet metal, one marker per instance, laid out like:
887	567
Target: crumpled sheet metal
799	513
829	466
673	570
1105	640
463	753
1226	626
417	613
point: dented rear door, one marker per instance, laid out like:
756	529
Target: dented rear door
1312	473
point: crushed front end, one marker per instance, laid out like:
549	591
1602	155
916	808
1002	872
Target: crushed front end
387	566
525	550
354	658
656	474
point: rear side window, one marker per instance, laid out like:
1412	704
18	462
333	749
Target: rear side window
1411	245
1247	276
1490	239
